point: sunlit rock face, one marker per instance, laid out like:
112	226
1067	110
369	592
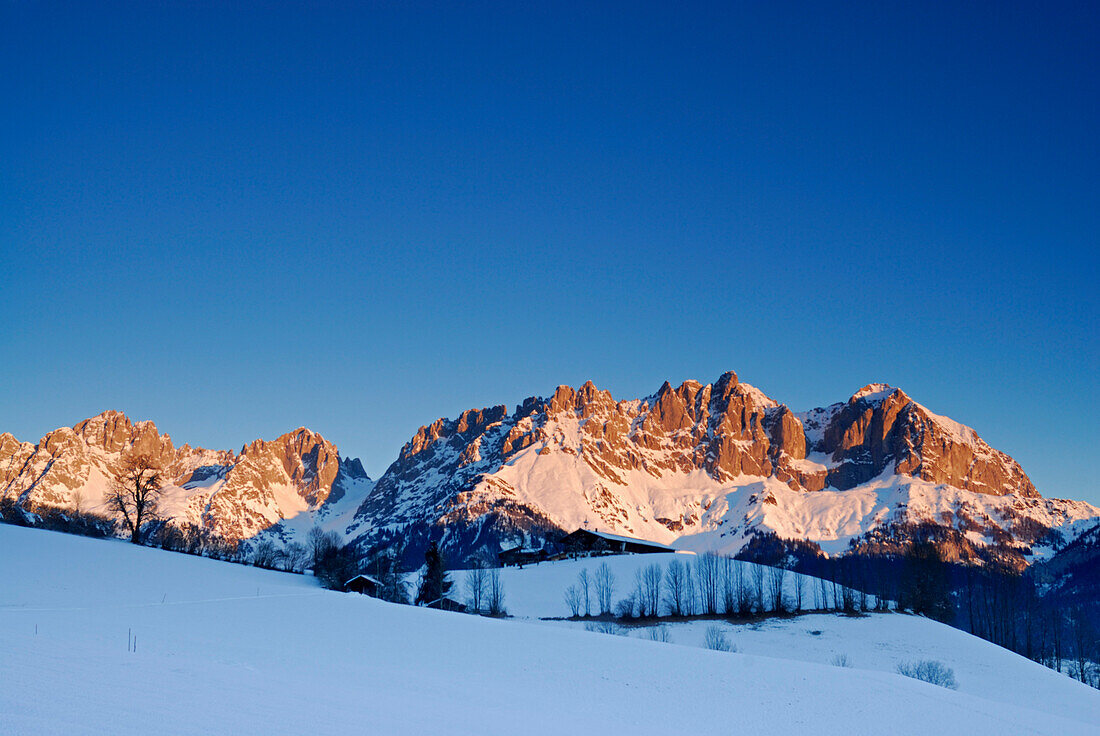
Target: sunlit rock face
233	495
699	465
880	428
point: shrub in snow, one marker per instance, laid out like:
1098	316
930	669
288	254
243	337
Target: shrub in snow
841	660
716	639
931	671
659	633
625	608
603	627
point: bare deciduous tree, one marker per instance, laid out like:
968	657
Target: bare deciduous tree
573	600
605	587
707	578
689	591
295	557
321	543
134	494
776	581
496	593
477	580
266	554
758	587
584	581
744	592
717	640
675	588
729	587
651	589
626	607
931	671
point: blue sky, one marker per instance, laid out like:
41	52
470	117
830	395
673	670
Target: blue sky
238	221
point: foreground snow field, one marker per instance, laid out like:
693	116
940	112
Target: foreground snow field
228	649
878	641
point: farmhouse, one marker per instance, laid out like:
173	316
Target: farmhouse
585	542
522	556
364	584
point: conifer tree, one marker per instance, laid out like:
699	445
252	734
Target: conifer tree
926	589
434	584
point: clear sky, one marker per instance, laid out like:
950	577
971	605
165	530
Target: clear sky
236	222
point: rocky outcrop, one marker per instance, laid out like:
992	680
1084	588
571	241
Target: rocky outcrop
881	428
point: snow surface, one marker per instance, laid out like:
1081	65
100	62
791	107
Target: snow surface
878	641
223	649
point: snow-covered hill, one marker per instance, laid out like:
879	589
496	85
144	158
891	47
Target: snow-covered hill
877	641
228	649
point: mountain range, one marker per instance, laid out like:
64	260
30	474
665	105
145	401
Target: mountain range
699	466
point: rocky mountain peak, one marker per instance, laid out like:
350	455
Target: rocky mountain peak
881	428
725	382
874	392
113	432
235	495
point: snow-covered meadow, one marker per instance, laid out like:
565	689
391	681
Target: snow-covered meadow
222	648
877	641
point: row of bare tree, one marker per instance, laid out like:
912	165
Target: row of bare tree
709	584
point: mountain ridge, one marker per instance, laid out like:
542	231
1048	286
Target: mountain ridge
700	466
232	495
703	466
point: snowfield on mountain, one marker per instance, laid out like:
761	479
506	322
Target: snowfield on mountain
106	637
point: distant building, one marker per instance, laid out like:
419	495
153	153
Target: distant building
447	604
364	584
584	542
522	556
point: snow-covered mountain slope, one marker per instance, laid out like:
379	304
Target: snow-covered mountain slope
706	467
230	649
234	495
